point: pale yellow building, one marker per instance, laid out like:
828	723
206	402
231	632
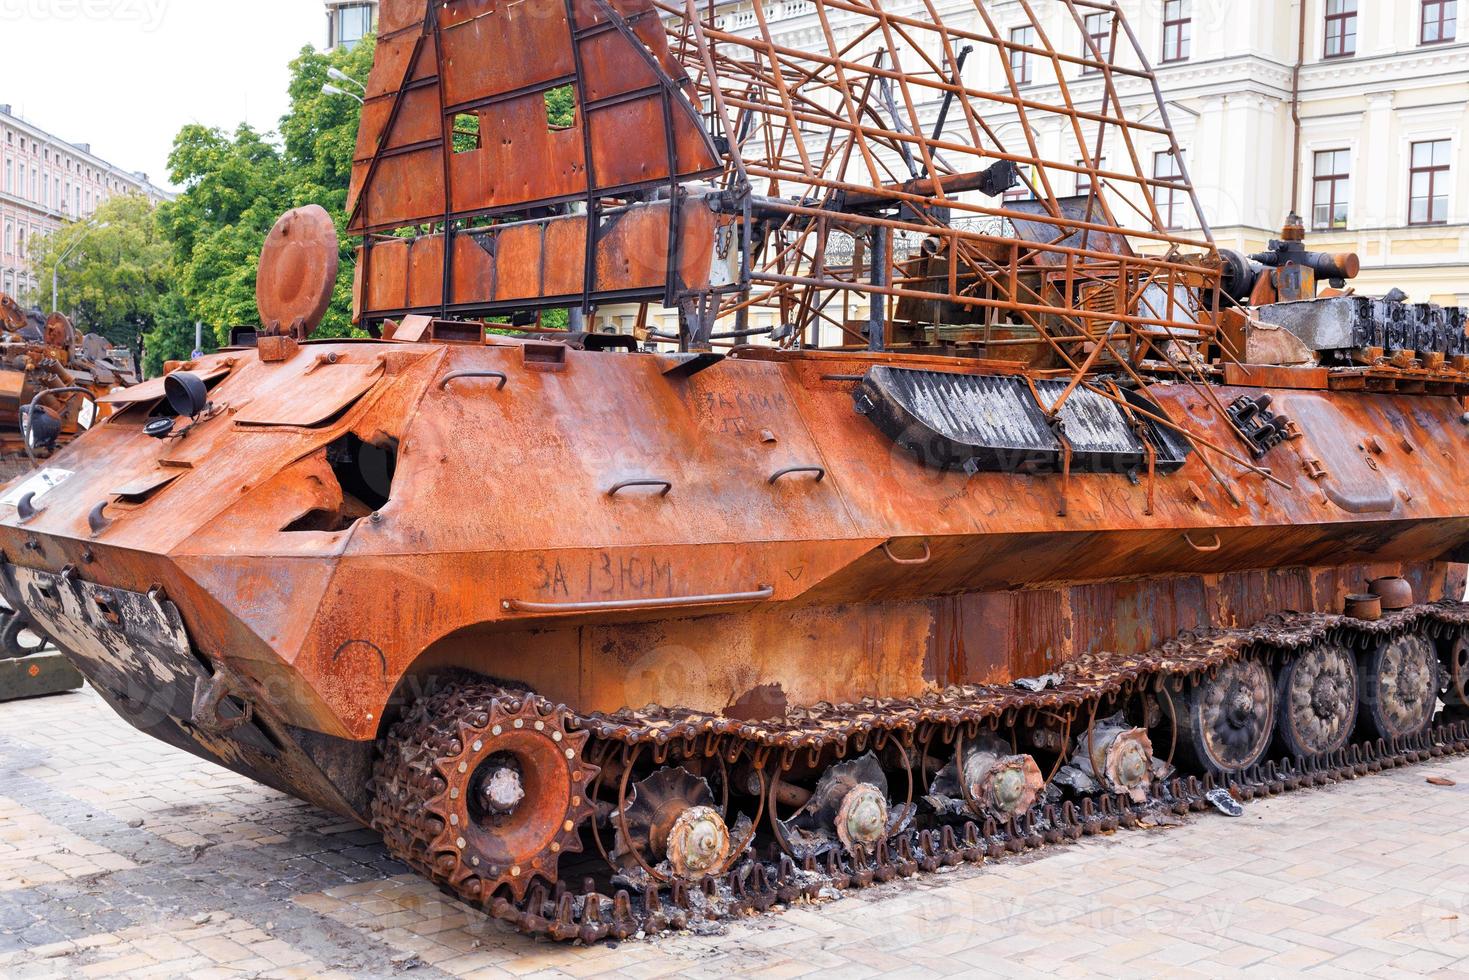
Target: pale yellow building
1383	106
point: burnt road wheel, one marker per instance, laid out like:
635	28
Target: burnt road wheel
1316	695
1226	722
1456	695
1399	688
671	827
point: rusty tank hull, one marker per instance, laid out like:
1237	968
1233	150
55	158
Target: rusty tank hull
242	556
1040	527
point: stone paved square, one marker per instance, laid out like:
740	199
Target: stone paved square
122	857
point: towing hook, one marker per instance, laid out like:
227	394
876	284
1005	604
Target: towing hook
209	695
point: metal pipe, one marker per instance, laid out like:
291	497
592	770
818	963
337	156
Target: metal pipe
621	605
1295	112
877	301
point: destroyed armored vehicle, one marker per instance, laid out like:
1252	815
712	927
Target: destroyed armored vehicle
928	525
42	362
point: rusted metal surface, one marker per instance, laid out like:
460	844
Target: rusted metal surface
40	355
298	272
913	730
1092	542
797	553
455	130
451	752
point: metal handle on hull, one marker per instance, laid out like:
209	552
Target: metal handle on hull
499	376
1204	549
817	471
665	486
887	549
622	605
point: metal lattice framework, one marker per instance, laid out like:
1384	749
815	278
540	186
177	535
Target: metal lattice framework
720	172
878	133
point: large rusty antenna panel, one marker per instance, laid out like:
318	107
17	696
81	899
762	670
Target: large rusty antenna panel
458	144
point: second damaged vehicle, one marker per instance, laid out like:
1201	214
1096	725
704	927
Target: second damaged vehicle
949	515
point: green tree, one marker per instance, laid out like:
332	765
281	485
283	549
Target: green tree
237	184
561	107
115	270
172	339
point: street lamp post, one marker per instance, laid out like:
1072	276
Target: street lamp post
89	227
331	89
341	76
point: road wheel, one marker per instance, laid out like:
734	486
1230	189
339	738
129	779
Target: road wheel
1226	722
1317	694
1400	685
1456	697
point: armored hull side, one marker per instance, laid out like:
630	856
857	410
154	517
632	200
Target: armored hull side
498	545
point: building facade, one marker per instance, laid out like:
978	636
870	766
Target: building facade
1383	108
46	182
349	21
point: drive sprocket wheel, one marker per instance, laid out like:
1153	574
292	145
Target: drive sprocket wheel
483	790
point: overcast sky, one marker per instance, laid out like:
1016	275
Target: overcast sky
124	75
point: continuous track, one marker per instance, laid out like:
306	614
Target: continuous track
415	780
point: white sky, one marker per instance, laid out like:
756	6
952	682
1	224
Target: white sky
125	75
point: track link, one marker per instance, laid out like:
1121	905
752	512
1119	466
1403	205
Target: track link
409	783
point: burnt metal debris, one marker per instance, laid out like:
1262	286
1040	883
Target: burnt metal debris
1027	519
50	380
43	359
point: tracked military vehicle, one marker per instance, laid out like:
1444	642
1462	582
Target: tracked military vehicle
943	513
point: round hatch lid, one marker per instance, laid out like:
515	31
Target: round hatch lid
298	272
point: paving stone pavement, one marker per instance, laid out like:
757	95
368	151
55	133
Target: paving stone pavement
122	857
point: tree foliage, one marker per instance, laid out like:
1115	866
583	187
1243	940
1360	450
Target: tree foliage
152	272
237	184
111	271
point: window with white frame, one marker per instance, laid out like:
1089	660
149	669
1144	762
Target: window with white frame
1178	28
1098	43
1084	178
1171	201
1438	21
1332	189
352	23
1341	28
1020	60
1428	182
